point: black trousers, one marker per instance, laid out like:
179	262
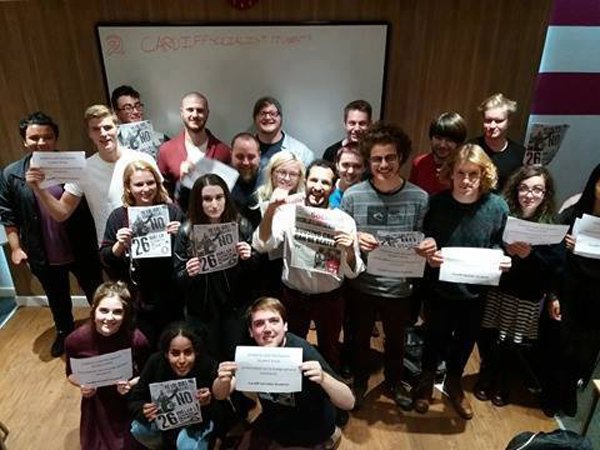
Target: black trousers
452	329
55	281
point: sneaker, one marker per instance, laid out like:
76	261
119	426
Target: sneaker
334	441
458	398
401	396
58	347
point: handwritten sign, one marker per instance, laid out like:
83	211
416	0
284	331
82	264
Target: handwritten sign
103	370
149	226
177	403
215	246
268	369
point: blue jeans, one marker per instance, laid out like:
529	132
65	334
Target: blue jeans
193	438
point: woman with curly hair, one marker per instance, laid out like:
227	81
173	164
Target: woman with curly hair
467	215
512	312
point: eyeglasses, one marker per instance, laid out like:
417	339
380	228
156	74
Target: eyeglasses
282	174
129	108
377	160
536	191
265	114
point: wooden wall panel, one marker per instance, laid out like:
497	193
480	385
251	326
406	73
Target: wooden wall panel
444	55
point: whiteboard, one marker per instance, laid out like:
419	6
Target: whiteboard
313	70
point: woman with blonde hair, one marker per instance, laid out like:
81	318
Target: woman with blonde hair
467	215
150	280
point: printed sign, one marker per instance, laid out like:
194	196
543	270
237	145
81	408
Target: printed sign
149	226
177	403
214	246
140	136
268	369
103	370
543	143
395	257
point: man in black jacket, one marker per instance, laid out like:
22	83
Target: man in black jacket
52	249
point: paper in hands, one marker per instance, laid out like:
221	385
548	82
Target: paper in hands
177	403
587	233
471	265
59	167
268	369
533	233
207	165
103	370
395	257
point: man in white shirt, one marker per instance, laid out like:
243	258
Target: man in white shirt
102	179
308	294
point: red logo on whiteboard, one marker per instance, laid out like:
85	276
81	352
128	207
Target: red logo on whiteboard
114	45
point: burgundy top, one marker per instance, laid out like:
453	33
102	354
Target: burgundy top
172	153
425	174
104	416
56	241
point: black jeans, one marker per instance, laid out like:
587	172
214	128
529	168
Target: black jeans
55	281
452	329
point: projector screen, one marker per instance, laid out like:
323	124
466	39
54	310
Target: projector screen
314	70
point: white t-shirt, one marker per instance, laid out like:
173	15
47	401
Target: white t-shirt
195	152
102	185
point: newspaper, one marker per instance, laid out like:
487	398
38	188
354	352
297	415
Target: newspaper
149	227
395	257
214	245
543	143
313	244
140	136
177	403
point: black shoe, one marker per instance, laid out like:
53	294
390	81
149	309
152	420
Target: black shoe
58	347
359	390
341	417
346	371
401	396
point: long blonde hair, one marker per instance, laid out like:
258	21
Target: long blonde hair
141	165
277	160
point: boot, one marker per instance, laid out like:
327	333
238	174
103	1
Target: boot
457	397
423	392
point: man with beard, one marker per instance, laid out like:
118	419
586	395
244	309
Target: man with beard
245	157
446	133
309	294
177	157
304	419
357	118
268	120
127	105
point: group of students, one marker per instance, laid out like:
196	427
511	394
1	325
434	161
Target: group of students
459	195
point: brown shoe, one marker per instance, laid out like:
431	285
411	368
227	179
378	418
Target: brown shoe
423	392
458	398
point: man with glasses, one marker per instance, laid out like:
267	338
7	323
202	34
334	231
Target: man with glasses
177	157
127	105
267	115
384	203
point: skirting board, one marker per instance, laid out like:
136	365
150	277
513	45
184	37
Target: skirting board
42	300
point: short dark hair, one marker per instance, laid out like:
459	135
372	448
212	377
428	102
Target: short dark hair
350	147
120	92
383	133
244	135
358	105
449	125
585	205
180	328
263	303
322	163
196	214
266	101
37	118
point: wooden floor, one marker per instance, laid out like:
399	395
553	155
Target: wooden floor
42	410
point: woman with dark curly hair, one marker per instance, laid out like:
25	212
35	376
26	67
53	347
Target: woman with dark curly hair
512	312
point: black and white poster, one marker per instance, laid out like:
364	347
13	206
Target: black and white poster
543	143
215	246
177	403
149	227
140	136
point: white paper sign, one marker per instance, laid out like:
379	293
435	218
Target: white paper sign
215	246
208	165
533	233
140	136
177	403
149	226
59	167
471	265
268	369
587	236
103	370
395	257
